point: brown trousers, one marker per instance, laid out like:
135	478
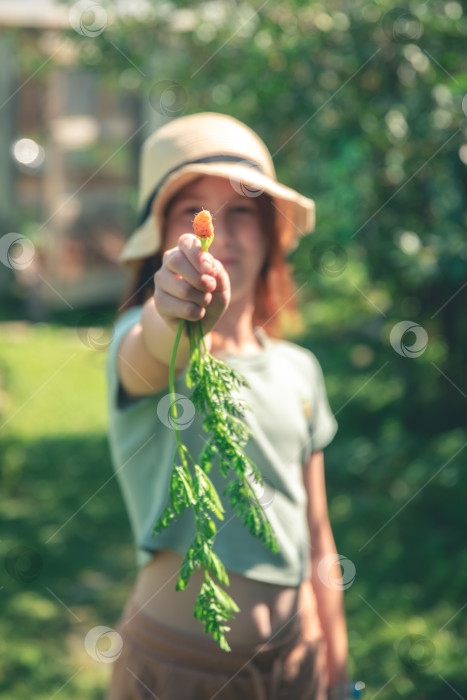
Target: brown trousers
157	662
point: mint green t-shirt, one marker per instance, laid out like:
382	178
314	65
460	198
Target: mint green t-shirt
289	415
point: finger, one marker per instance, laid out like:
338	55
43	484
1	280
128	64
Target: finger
222	279
191	247
174	285
177	262
174	308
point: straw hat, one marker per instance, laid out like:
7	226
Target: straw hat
210	144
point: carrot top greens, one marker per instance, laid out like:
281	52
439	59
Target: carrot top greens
213	385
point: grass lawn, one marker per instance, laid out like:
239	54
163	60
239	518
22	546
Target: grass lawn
68	561
63	506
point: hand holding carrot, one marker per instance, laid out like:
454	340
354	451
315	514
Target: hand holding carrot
191	284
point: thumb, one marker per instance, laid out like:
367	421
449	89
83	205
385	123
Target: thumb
222	290
220	274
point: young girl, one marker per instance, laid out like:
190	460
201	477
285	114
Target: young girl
289	639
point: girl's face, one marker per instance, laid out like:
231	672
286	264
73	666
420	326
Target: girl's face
238	239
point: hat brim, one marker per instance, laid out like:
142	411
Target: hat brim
295	214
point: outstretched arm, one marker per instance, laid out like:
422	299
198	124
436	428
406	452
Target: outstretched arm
329	598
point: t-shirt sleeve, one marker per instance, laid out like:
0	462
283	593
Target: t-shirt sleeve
323	425
117	396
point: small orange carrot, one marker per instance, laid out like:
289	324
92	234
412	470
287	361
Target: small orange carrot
203	228
202	224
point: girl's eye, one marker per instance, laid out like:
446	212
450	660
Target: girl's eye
242	209
189	212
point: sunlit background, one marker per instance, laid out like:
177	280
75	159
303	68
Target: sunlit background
364	108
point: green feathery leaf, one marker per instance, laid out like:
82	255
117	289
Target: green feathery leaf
215	394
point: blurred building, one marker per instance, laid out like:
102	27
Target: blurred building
69	149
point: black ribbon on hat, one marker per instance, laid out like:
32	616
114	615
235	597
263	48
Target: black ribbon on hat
221	158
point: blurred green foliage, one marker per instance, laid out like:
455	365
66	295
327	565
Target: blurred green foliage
363	107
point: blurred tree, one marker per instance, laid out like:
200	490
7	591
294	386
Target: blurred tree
363	106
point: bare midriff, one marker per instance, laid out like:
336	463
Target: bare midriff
266	610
